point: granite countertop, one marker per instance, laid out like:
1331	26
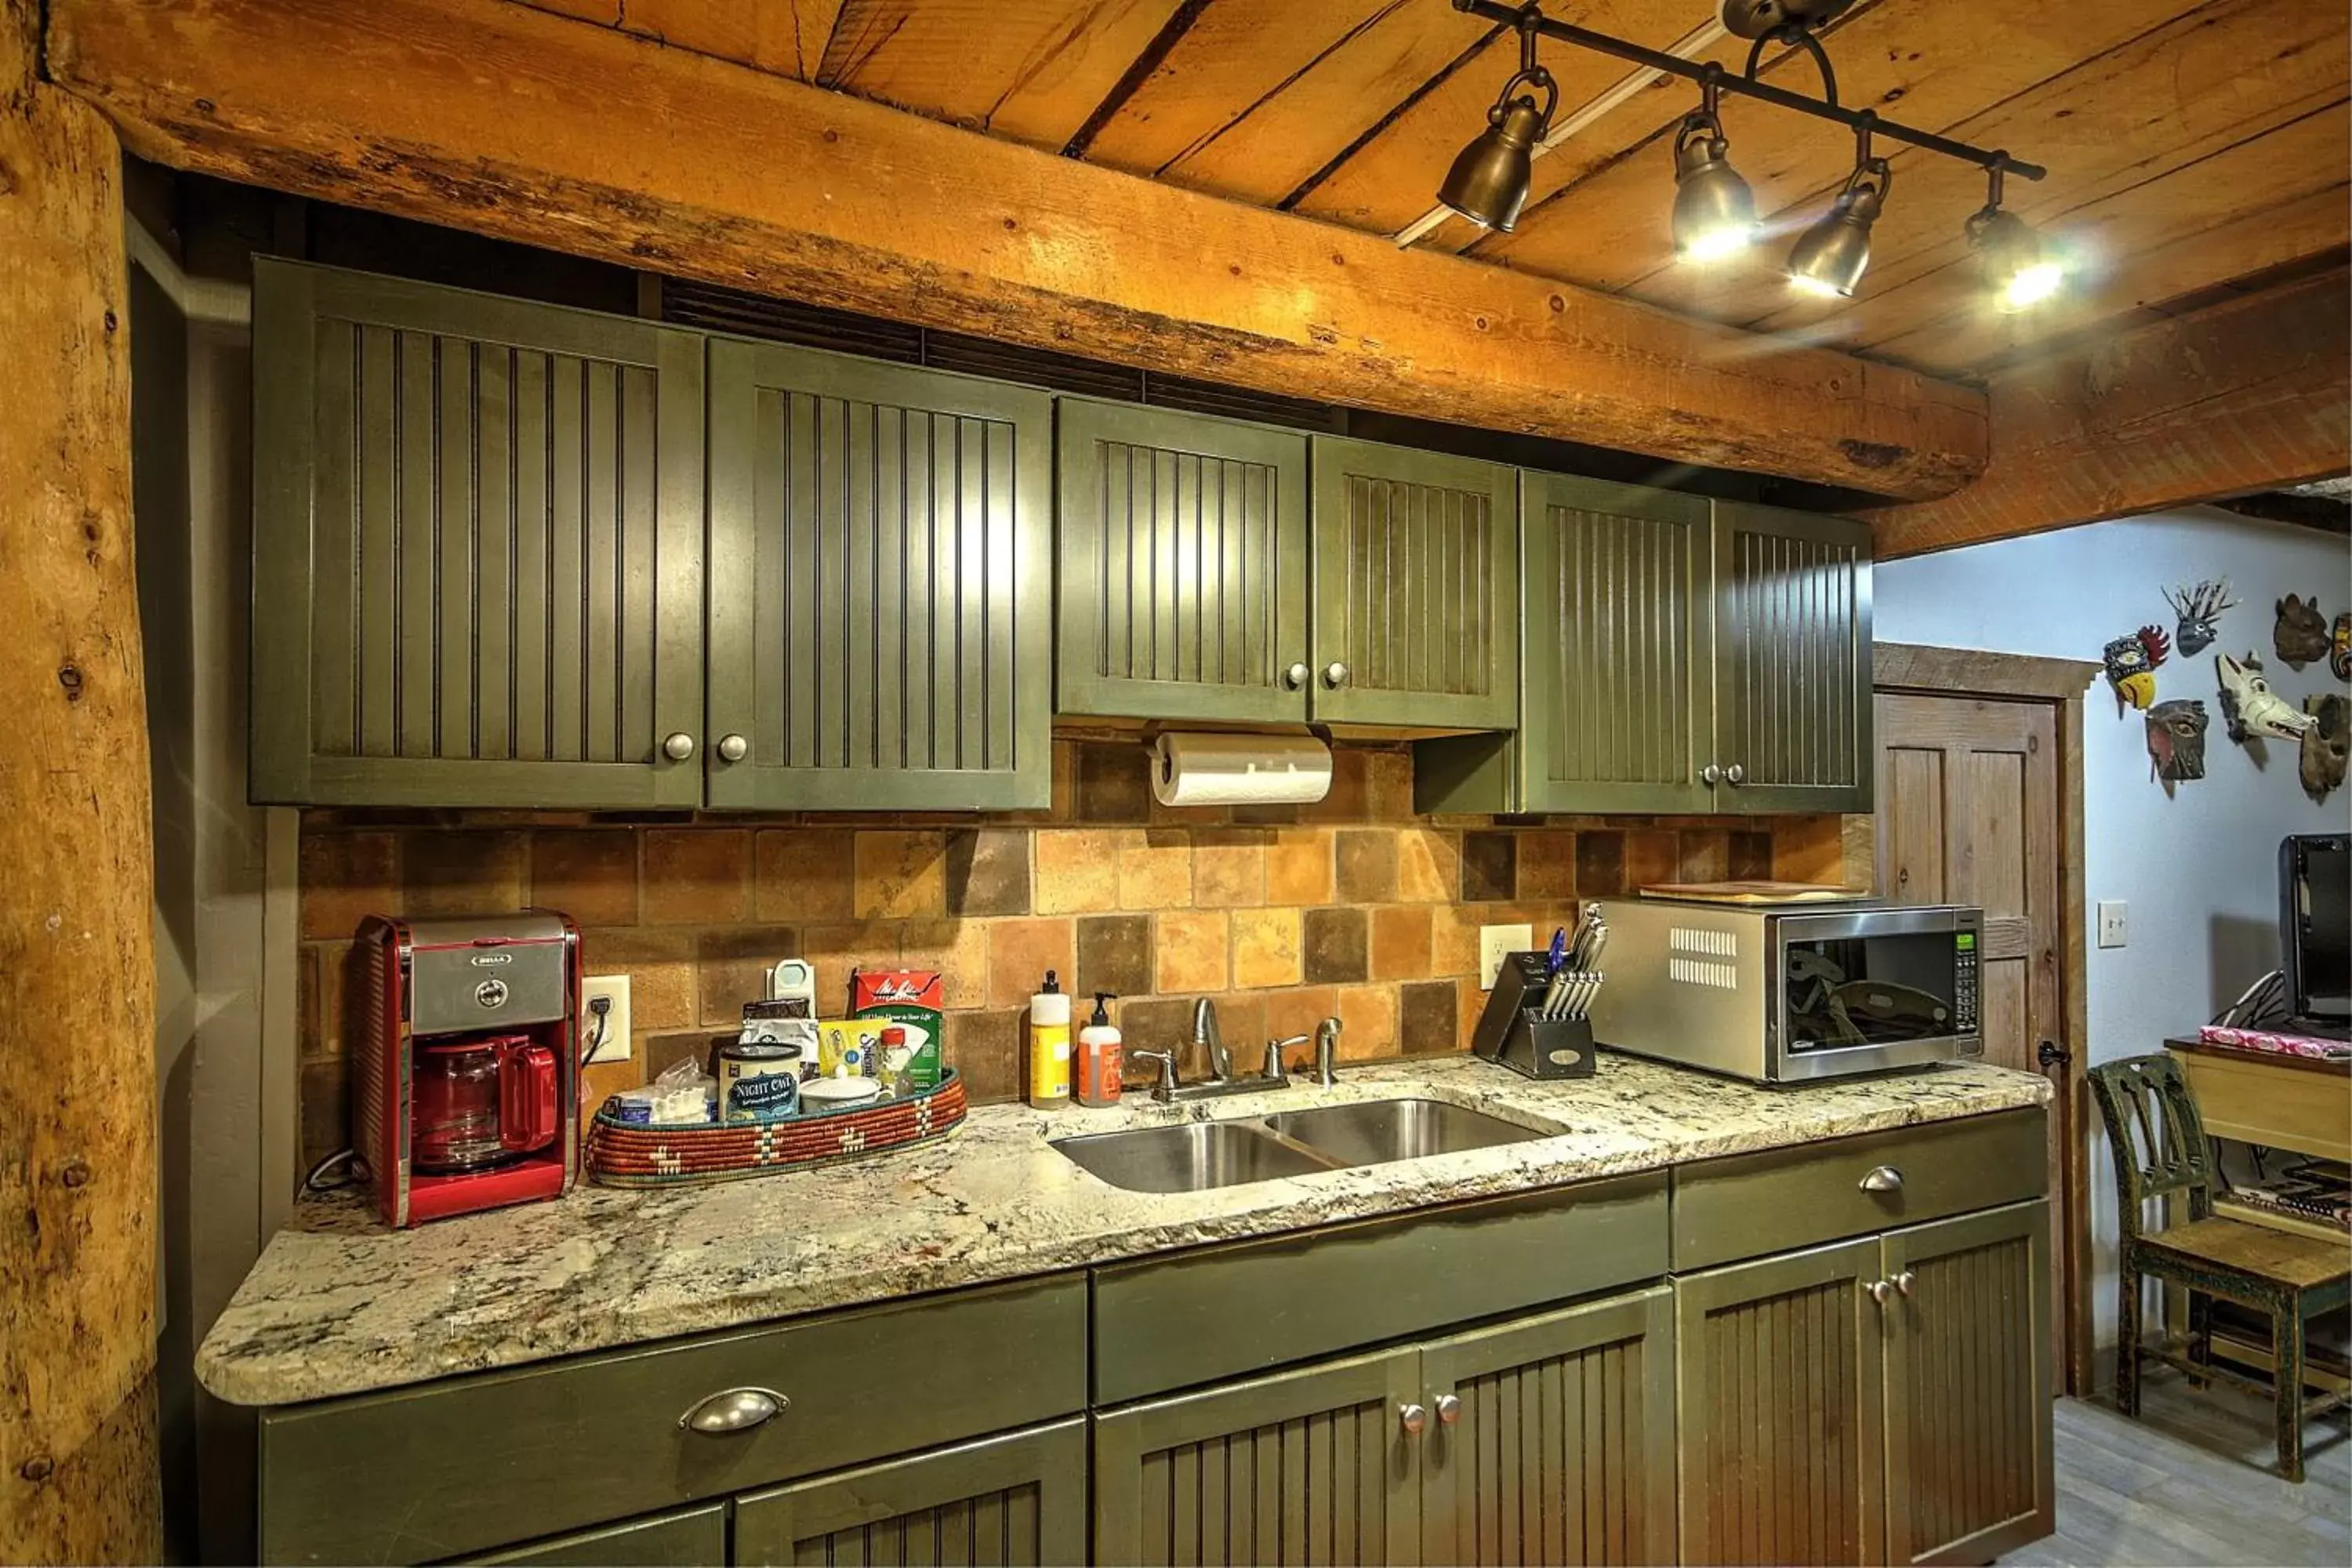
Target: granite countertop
338	1303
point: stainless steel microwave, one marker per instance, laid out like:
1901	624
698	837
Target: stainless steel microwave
1784	992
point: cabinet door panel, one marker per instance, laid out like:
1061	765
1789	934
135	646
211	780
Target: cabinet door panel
1182	544
1416	587
1779	1420
1017	1500
691	1538
478	548
1563	1449
880	632
1968	1387
1305	1467
1792	710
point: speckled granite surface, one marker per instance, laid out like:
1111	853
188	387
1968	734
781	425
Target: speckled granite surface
338	1303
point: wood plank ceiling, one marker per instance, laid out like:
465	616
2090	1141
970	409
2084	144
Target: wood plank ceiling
2192	147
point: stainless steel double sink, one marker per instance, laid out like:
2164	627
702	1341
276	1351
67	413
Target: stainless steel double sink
1198	1155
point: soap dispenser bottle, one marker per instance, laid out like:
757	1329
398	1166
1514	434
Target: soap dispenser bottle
1049	1045
1101	1056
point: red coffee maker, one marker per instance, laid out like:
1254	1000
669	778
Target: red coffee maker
468	1085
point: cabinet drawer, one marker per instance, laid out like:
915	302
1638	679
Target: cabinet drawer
1750	1204
690	1538
1174	1322
449	1467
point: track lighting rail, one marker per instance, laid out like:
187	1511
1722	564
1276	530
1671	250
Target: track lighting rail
1708	74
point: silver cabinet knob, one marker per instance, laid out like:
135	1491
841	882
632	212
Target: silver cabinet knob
733	1410
1413	1418
1296	676
733	748
1335	674
1710	776
1880	1291
678	747
1904	1280
1449	1410
1734	775
1883	1179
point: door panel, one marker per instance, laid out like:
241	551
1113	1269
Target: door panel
1792	709
1182	544
1416	587
881	619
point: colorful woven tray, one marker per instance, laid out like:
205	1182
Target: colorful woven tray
624	1155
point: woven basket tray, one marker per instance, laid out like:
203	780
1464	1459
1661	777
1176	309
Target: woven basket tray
623	1155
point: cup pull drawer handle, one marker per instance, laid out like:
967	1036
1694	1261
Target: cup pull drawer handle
734	1410
1884	1179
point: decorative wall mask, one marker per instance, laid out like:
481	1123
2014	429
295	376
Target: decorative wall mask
2131	666
2299	634
2339	653
2251	710
2176	741
2326	742
2197	608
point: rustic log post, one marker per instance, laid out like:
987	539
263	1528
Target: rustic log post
78	1476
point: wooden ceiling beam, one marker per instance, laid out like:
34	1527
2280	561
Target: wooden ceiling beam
2253	394
513	122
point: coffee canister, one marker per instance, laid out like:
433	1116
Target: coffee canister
758	1083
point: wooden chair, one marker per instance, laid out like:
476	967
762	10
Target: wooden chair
2161	1153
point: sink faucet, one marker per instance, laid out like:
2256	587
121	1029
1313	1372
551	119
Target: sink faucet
1327	1048
1205	1036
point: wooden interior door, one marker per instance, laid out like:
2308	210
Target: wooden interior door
1968	809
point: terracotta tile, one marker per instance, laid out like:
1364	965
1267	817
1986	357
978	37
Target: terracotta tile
1430	1017
1453	939
602	1082
988	871
1388	785
1707	857
805	874
957	948
1155	869
1288	1012
1229	866
1114	782
990	1050
345	878
1401	941
464	873
1547	864
1336	943
901	875
1350	799
1600	863
1809	849
658	1053
1242	1017
1078	869
660	965
1472	1003
1364	865
1751	857
1490	867
591	876
1429	865
1114	955
1266	947
732	968
1193	952
1651	857
1298	865
1165	1024
1368	1023
696	876
1019	952
323	1118
837	950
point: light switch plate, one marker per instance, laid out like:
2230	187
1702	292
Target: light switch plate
2115	923
1494	942
613	1043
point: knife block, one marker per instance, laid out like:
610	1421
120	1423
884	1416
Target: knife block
1512	1032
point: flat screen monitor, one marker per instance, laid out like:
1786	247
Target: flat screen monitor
2316	925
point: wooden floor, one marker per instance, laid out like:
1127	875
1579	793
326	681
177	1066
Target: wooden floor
2190	1483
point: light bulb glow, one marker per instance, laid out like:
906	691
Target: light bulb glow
2030	286
1720	244
1815	287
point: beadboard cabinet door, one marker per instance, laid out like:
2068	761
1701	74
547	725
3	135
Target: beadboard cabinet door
880	607
478	549
1019	1500
1416	560
1184	569
1559	1447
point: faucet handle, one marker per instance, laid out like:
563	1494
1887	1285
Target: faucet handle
1165	1089
1273	1049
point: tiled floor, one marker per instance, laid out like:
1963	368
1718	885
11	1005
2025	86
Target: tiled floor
2190	1483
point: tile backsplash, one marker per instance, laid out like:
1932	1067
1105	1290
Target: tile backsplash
1352	906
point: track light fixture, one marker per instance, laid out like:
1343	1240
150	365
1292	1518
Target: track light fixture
2020	270
1715	211
1489	182
1829	259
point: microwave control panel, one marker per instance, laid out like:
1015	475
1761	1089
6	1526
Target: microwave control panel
1964	982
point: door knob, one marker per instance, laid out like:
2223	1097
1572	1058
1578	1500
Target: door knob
1449	1410
1414	1418
1904	1280
2050	1054
1710	776
733	1410
1335	674
678	747
733	748
1880	1291
1734	775
1296	676
1884	1179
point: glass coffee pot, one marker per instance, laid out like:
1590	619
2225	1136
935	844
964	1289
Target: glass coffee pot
481	1101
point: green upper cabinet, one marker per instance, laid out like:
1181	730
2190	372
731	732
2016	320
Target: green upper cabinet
1416	588
1184	566
880	587
478	549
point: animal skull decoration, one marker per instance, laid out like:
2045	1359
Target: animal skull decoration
2197	608
2300	633
2131	666
2326	742
2250	710
2175	740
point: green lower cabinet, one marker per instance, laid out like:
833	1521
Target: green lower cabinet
687	1538
1018	1500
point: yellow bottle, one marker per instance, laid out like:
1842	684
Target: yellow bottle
1049	1045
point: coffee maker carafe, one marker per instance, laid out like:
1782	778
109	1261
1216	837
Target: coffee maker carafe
468	1089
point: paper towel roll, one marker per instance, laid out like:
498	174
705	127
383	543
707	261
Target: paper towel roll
1239	770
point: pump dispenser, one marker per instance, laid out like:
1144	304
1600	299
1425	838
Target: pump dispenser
1101	1056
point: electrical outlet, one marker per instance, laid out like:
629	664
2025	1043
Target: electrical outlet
610	1032
2115	923
1494	942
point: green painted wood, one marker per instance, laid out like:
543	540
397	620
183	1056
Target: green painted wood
690	1538
1970	1472
1198	1479
1778	1415
1191	1318
478	548
1563	1448
1416	562
1792	666
1182	541
1018	1499
598	1437
880	603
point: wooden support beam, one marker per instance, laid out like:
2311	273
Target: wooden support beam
511	122
2252	394
78	1480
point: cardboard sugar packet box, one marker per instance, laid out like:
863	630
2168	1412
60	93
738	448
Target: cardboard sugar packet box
912	999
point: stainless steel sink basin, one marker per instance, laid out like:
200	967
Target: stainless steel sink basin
1375	1131
1191	1158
